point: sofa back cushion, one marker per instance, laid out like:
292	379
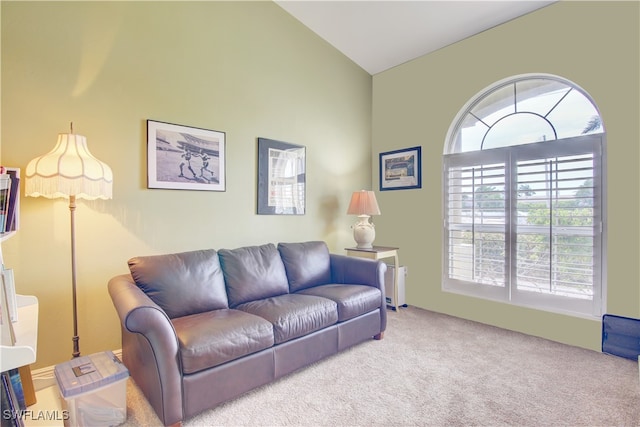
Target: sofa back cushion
307	264
252	273
182	283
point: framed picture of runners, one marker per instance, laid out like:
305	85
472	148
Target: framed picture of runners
185	158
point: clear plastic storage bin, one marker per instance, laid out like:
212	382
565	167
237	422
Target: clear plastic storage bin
93	390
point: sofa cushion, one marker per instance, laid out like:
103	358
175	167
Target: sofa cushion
307	264
292	315
182	283
215	337
253	272
352	300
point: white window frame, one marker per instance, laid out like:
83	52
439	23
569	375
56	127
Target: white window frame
509	155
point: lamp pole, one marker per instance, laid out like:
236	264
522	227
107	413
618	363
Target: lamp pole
76	338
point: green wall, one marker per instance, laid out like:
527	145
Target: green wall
245	68
594	44
250	70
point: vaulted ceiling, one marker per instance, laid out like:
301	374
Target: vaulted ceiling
378	35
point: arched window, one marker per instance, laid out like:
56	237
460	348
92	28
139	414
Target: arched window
523	209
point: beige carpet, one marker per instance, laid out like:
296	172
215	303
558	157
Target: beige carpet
436	370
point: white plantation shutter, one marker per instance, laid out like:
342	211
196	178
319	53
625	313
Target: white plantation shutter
476	219
557	224
523	224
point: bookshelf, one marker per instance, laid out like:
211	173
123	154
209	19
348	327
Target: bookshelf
6	235
18	353
26	330
23	352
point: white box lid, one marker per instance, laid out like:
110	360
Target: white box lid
87	373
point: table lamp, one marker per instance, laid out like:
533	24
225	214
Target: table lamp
363	204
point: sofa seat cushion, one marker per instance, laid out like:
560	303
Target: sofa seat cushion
215	337
294	316
252	273
352	300
182	283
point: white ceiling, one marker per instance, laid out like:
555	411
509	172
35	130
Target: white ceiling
378	35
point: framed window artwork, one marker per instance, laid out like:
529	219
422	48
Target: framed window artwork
401	169
185	158
281	178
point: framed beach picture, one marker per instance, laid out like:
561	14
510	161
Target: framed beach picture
185	158
401	169
281	178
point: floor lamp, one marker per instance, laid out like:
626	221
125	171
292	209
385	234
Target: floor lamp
72	172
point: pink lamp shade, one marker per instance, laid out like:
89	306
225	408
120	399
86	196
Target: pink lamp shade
363	203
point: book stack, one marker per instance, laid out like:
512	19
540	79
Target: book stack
9	199
13	401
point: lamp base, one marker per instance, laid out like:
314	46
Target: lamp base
76	346
364	232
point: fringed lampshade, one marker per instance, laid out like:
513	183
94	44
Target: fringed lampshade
69	170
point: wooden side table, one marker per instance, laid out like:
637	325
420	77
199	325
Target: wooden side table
381	252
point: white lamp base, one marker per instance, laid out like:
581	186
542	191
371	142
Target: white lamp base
364	232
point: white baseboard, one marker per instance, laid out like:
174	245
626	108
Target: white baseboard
44	377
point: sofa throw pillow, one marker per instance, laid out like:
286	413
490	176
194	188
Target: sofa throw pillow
307	264
252	273
182	283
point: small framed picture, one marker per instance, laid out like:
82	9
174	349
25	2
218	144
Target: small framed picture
401	169
185	158
281	178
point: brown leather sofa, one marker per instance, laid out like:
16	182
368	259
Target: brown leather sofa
200	328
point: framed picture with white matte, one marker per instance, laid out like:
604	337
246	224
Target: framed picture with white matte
281	178
185	158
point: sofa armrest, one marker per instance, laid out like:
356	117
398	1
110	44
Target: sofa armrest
361	271
149	347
